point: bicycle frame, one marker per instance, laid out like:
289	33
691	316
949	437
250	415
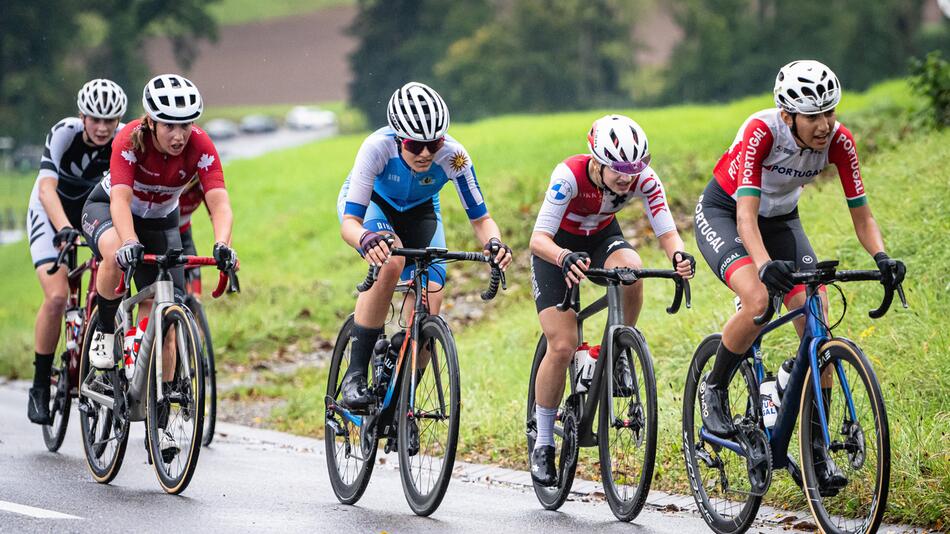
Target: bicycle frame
814	335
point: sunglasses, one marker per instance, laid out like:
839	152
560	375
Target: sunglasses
626	167
416	147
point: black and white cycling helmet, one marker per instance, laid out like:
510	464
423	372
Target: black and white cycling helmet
619	143
417	112
806	86
102	99
172	98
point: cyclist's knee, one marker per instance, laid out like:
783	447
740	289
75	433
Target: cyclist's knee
54	302
754	302
562	347
392	269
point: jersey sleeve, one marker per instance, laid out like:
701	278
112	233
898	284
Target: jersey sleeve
58	140
466	184
844	154
124	157
655	204
561	190
756	144
370	162
207	163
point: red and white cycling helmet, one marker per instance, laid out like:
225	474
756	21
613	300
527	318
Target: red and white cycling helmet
619	143
806	86
172	98
102	99
417	112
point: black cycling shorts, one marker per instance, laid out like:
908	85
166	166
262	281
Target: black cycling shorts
714	222
547	279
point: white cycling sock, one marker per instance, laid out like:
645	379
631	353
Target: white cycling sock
545	418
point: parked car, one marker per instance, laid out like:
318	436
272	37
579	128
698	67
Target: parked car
310	118
258	124
220	129
26	158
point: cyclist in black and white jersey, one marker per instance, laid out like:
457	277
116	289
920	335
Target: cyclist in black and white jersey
76	156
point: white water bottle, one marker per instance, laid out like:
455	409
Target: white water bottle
768	394
784	373
74	326
580	360
586	373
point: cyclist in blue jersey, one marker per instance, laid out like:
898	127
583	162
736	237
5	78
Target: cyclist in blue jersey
393	190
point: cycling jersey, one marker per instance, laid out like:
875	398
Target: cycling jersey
765	161
575	204
157	180
380	168
189	201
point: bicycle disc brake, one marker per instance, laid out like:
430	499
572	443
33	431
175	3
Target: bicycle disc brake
855	444
758	456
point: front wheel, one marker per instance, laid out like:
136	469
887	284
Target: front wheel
429	417
627	428
174	424
860	441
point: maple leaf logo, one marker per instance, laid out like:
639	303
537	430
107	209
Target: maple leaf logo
459	161
205	161
129	156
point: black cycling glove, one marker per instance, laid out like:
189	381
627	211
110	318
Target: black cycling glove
680	255
66	234
892	271
777	276
129	254
370	239
571	259
493	246
225	256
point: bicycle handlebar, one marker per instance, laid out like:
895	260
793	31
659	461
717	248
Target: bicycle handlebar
827	274
627	276
227	280
67	248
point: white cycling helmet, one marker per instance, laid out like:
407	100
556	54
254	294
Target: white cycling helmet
417	112
620	143
806	86
172	98
102	99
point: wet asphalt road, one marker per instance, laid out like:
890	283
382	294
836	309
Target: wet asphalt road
255	480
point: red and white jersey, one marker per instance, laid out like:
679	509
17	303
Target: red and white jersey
189	201
575	204
156	179
765	161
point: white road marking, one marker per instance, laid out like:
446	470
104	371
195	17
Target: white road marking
33	512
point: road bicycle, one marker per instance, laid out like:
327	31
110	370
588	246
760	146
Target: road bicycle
626	420
416	385
166	389
833	395
193	302
64	378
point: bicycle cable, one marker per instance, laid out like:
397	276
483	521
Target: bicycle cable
844	310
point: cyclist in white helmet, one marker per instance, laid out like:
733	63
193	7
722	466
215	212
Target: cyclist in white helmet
747	223
577	228
393	190
76	155
134	210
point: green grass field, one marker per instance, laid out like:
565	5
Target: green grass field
298	278
229	12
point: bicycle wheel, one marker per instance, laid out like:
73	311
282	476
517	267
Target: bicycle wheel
104	436
565	439
174	424
54	433
350	445
718	476
860	442
429	418
207	358
627	440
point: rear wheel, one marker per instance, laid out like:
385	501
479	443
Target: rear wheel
429	418
54	433
565	439
207	358
628	439
350	439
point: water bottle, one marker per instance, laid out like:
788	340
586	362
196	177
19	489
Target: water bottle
131	345
385	354
784	373
770	401
589	355
73	327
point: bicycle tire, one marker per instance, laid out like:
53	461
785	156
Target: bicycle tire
442	370
723	516
55	433
350	483
624	505
97	423
207	357
189	393
565	439
827	510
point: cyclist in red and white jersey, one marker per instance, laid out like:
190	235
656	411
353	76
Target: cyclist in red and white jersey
134	209
76	155
577	228
747	223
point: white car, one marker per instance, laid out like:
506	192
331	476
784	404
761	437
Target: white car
220	129
309	118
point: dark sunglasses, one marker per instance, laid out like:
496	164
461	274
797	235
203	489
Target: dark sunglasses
416	147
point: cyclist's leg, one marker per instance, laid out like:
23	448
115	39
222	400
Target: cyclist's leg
419	228
104	240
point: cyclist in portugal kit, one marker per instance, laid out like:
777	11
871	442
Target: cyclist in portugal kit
76	155
747	224
393	190
576	229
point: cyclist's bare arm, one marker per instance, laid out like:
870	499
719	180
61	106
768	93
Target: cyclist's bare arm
485	229
747	224
222	218
51	203
869	234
